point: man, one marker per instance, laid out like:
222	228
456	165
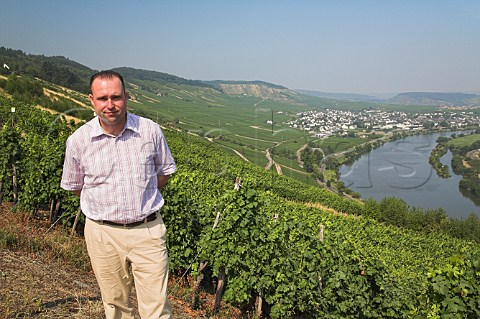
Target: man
118	163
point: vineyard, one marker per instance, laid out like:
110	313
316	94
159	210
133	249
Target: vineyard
260	239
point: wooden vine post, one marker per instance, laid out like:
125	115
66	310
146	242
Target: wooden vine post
221	274
54	210
321	237
259	303
219	291
259	298
14	167
50	211
14	183
196	285
77	217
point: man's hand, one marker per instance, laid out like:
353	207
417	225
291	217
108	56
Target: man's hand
162	180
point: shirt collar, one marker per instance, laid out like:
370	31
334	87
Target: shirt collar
132	123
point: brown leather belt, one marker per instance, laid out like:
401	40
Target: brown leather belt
149	218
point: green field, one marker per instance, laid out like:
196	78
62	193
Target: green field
338	144
235	122
242	124
475	164
466	140
303	177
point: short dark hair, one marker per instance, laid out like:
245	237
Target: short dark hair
108	74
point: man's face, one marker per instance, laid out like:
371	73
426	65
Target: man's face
109	102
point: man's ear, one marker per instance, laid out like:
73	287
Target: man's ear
127	95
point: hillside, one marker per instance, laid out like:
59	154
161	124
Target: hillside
70	74
342	96
261	90
73	75
251	118
149	80
57	69
436	99
303	250
407	98
153	81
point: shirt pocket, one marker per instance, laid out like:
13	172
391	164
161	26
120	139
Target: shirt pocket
145	163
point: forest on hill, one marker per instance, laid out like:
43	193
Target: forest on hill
70	74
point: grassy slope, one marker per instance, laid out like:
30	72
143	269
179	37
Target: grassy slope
465	140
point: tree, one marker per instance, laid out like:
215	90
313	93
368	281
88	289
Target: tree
428	125
393	211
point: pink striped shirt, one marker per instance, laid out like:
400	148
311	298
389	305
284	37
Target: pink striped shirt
117	174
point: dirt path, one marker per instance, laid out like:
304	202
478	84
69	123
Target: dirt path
241	155
261	128
270	160
49	93
279	169
256	139
67	117
299	154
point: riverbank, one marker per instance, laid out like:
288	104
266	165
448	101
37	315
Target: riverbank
401	169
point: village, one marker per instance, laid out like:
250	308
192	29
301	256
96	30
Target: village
330	122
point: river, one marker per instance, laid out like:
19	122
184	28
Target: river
401	169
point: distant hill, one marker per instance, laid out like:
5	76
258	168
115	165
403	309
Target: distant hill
263	83
407	98
259	89
70	74
342	96
436	99
149	80
57	69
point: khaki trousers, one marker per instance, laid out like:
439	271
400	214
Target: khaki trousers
116	253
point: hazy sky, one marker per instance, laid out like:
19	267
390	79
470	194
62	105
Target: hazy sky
358	46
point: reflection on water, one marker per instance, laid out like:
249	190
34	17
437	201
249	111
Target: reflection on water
470	196
401	169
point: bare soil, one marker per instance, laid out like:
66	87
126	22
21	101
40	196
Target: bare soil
35	283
